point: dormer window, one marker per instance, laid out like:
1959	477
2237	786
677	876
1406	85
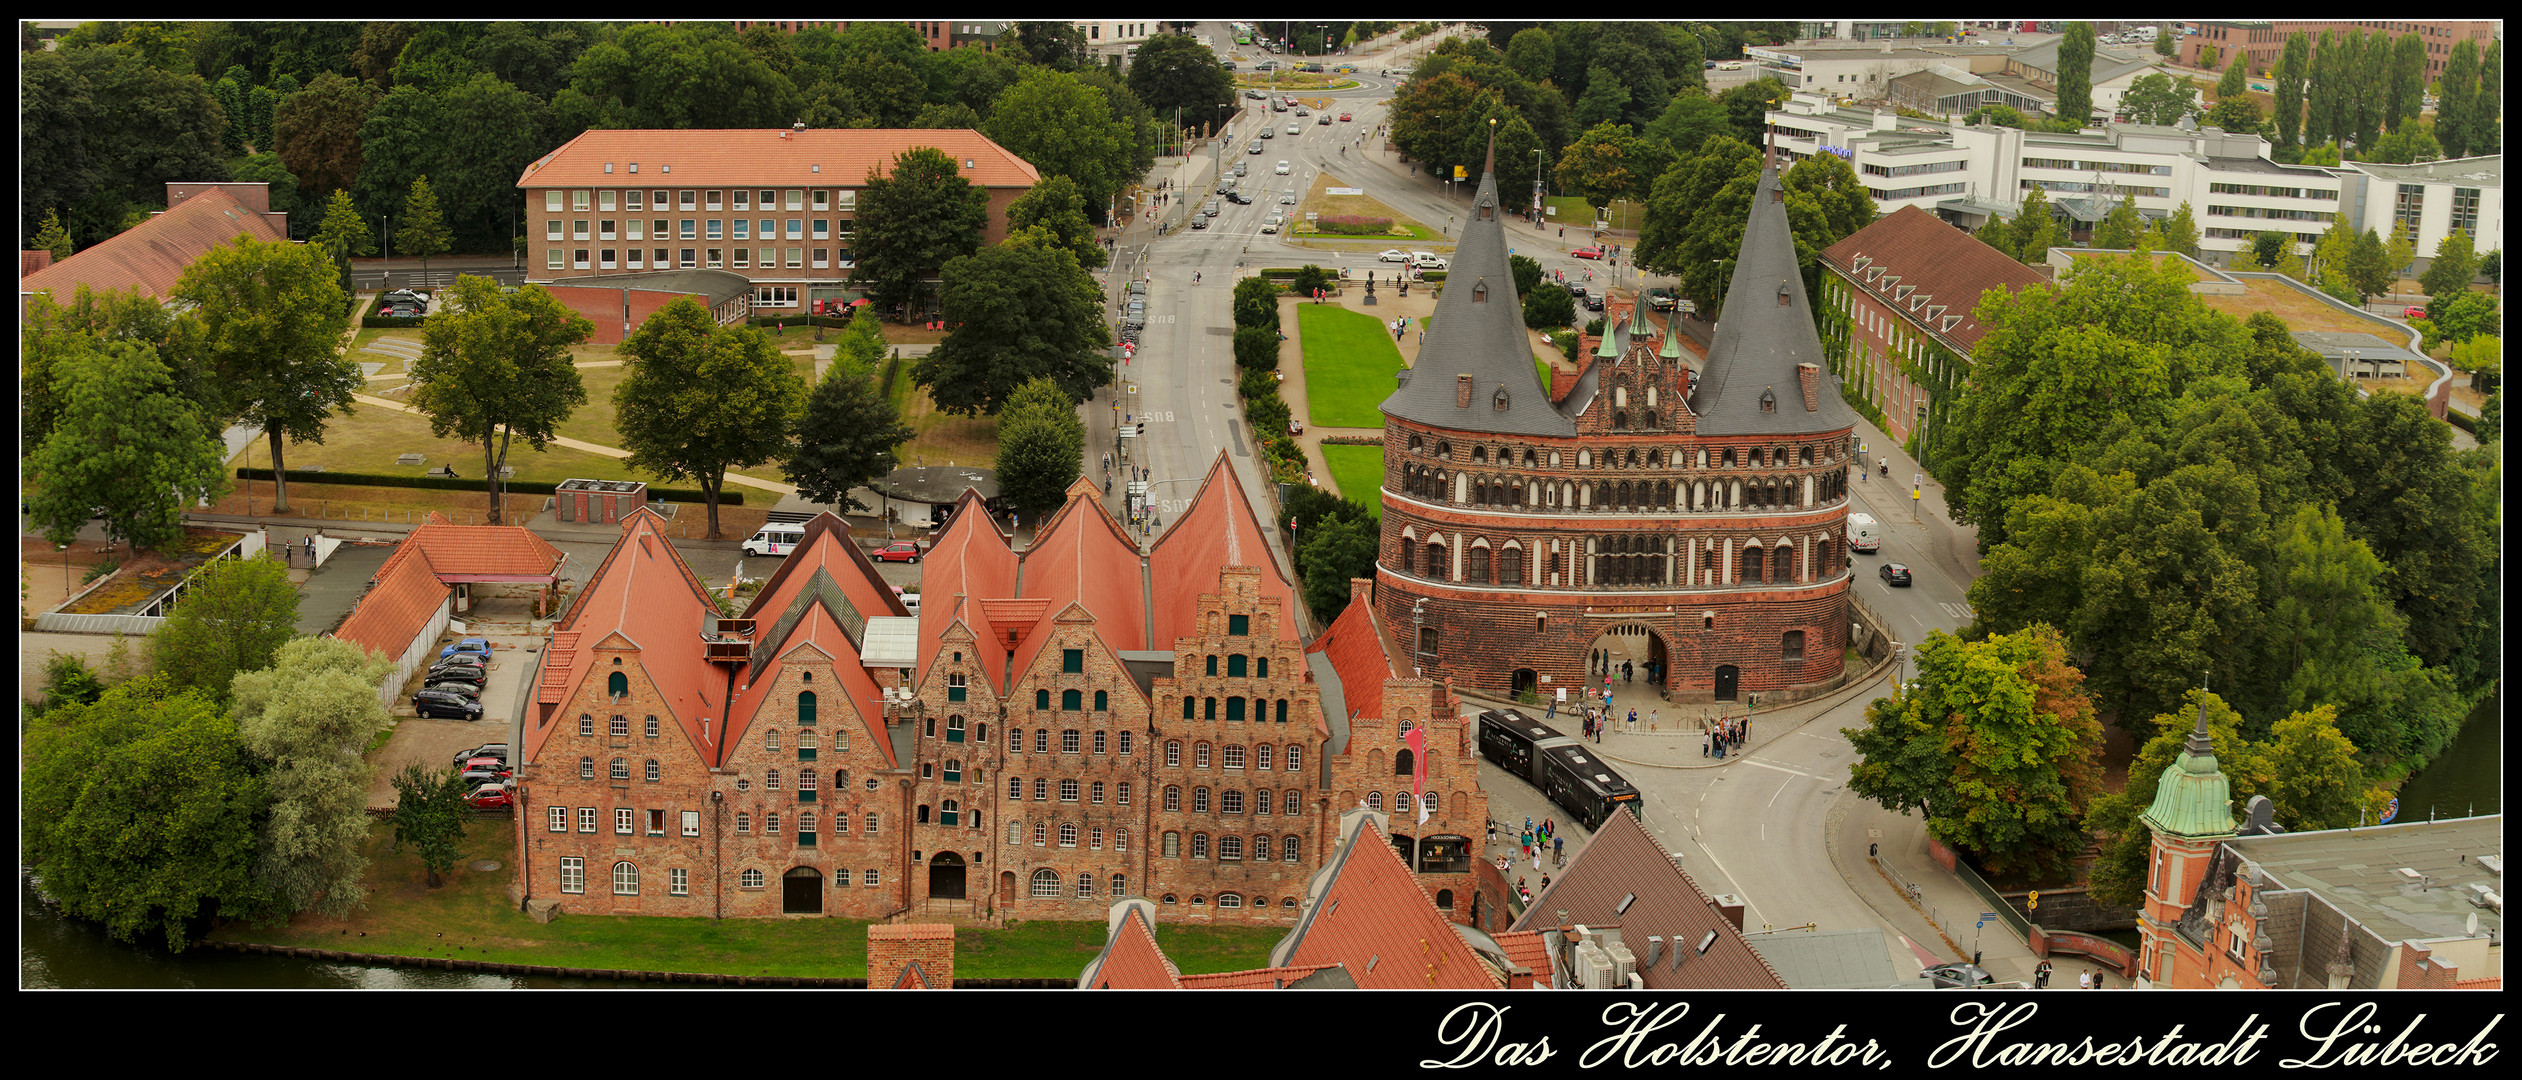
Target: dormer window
1768	400
1783	294
1480	292
1499	400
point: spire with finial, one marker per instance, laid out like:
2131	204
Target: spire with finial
1490	166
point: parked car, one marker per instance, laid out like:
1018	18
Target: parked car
469	691
474	645
474	678
1238	198
487	764
1587	253
478	777
1393	255
2414	312
441	704
490	749
462	659
492	797
1895	574
1138	287
1956	977
401	297
899	551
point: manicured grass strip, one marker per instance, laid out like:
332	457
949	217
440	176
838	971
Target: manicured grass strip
470	917
1350	362
1357	472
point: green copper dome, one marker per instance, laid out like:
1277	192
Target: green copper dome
2193	799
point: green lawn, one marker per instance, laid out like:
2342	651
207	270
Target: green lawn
1349	366
593	422
1357	471
371	439
1574	211
470	917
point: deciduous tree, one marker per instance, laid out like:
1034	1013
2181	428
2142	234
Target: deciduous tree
234	619
125	441
2157	99
1054	214
1173	71
849	436
273	317
1333	550
2179	232
912	220
497	366
703	398
140	812
429	813
2294	66
2455	263
307	720
1018	312
1041	445
2075	74
1065	127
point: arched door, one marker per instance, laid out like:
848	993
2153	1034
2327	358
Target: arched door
1726	676
1526	681
945	876
1006	888
801	891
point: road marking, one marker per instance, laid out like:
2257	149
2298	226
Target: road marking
1773	796
1960	612
1751	910
1781	768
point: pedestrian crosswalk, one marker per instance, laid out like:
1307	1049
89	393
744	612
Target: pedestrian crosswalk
1958	612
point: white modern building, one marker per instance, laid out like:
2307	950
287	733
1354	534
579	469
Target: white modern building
2435	197
1963	174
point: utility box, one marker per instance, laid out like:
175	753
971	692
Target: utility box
597	502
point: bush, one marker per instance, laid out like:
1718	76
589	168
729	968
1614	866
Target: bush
1549	307
728	497
1268	413
1257	303
100	570
1354	225
1312	278
1253	384
1257	348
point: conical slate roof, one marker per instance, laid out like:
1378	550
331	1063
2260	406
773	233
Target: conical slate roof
1478	330
1760	341
2193	799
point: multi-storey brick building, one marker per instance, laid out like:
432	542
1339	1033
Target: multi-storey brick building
1899	310
2265	41
1689	524
778	207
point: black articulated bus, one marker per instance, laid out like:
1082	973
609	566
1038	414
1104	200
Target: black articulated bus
1566	770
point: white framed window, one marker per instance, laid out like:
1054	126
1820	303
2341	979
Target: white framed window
743	201
652	768
557	817
1295	758
770	824
744	823
796	258
623	822
750	879
632	260
841	878
1041	834
1046	885
551	201
1173	799
870	879
604	201
1085	886
1121	793
660	228
683	199
1015	832
578	258
551	229
634	201
871	831
625	878
770	779
1120	842
822	258
714	258
1068	834
679	882
621	770
1068	791
743	230
578	200
1173	754
822	200
845	199
712	200
691	823
604	229
796	228
743	259
553	260
822	229
689	228
714	230
1234	757
1095	794
1229	900
578	229
1199	756
796	199
573	874
586	819
1290	847
1125	742
604	259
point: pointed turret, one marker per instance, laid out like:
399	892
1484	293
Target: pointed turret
1754	379
1475	370
2193	799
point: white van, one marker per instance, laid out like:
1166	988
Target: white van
1425	260
910	600
1863	533
777	539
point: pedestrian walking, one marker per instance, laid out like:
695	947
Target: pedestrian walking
2040	976
1545	883
1493	832
2101	980
2084	981
1707	744
1553	712
1558	848
310	550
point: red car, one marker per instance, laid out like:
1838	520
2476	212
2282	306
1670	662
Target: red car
2413	313
1344	118
492	797
904	551
1587	253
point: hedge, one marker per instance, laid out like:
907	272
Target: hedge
1353	440
461	483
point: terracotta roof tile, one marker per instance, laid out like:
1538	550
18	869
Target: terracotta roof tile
1357	653
486	552
1083	557
826	554
1526	949
407	596
1376	919
1940	265
1622	859
1219	529
150	256
1131	960
643	595
1276	978
699	157
971	560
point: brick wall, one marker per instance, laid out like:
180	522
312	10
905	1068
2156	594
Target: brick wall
764	776
552	779
892	950
1370	773
1046	766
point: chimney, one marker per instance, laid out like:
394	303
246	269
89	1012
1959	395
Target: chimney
1361	590
915	956
1809	377
1462	391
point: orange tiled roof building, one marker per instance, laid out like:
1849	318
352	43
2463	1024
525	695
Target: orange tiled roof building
1688	523
1058	728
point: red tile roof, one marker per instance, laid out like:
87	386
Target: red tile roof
486	552
407	596
1219	529
1916	264
971	560
1083	557
1622	859
1276	978
150	256
1376	919
1356	652
744	157
1526	949
1131	960
825	554
643	597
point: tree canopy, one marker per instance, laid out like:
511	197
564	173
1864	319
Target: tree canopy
307	720
273	320
848	437
124	441
497	365
1041	445
702	398
912	220
1018	311
234	619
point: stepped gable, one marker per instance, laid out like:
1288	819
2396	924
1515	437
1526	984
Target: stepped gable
1766	332
1218	530
642	597
1478	332
1083	558
969	563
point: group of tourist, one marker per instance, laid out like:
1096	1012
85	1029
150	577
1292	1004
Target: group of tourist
1724	736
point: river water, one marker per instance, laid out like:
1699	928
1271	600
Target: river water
2468	779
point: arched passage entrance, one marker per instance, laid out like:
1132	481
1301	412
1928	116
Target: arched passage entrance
945	876
801	891
1633	654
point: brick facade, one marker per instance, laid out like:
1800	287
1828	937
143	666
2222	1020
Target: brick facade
1715	547
894	952
1377	772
